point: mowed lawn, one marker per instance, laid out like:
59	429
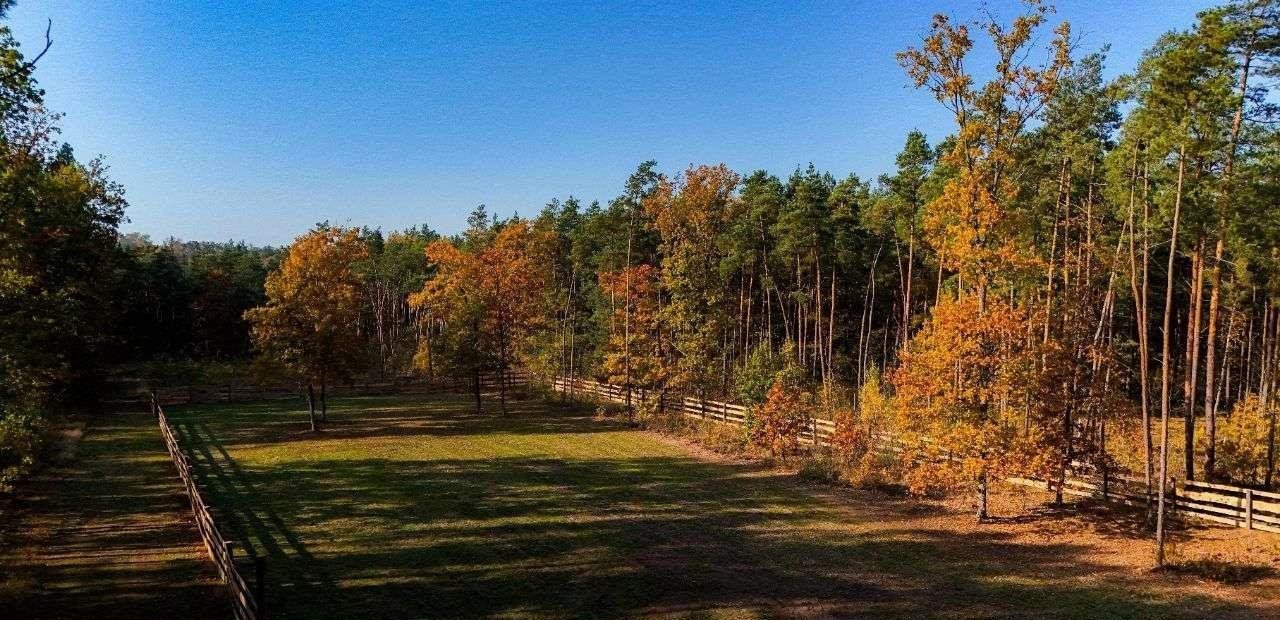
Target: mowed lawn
415	507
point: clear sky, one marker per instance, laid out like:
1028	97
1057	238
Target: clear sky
254	120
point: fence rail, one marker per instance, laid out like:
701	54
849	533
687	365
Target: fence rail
247	602
1219	503
185	394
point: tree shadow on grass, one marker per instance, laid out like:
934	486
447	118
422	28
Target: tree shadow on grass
534	536
365	417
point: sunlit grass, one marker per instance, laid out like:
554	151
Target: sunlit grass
417	507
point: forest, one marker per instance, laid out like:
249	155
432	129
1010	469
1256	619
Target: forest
1084	274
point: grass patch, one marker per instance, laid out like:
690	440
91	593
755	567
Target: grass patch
418	507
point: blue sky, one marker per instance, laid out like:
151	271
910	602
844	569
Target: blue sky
255	120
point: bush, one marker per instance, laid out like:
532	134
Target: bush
821	465
723	438
753	380
781	419
22	434
1242	441
856	450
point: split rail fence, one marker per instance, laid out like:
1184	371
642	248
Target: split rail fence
186	394
247	601
1220	503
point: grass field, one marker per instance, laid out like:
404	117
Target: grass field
418	508
106	532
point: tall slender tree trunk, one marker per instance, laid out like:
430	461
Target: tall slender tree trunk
626	321
1165	362
1196	295
982	497
906	293
324	399
831	320
1139	293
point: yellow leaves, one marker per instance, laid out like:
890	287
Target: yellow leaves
634	327
695	209
313	303
496	293
1242	440
971	224
963	392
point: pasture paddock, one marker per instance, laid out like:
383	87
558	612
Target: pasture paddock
417	507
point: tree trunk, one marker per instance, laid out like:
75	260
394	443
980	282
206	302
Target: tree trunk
1164	362
324	400
311	407
982	497
1215	279
1196	296
1139	293
475	386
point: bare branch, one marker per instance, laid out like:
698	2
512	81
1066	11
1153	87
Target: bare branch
25	68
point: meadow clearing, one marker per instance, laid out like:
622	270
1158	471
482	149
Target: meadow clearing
415	506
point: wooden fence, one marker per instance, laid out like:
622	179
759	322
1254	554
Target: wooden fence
247	602
1219	503
186	394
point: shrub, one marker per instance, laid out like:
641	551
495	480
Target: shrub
22	434
781	419
752	381
1242	441
858	456
723	438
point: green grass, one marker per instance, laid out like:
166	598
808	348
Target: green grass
106	534
418	508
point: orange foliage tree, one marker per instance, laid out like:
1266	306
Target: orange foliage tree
958	377
963	402
783	416
482	305
690	217
310	322
633	355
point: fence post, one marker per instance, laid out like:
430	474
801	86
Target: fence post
1248	508
260	585
155	404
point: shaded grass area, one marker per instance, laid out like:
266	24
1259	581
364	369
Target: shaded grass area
108	534
417	507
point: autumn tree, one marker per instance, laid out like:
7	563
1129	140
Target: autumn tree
309	323
633	356
690	216
962	399
485	303
959	375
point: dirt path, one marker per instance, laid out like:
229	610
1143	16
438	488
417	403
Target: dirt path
107	534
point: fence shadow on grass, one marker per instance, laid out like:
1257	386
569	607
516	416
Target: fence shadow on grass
107	536
535	535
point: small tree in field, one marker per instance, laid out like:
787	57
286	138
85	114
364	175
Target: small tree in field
309	324
1242	441
855	445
